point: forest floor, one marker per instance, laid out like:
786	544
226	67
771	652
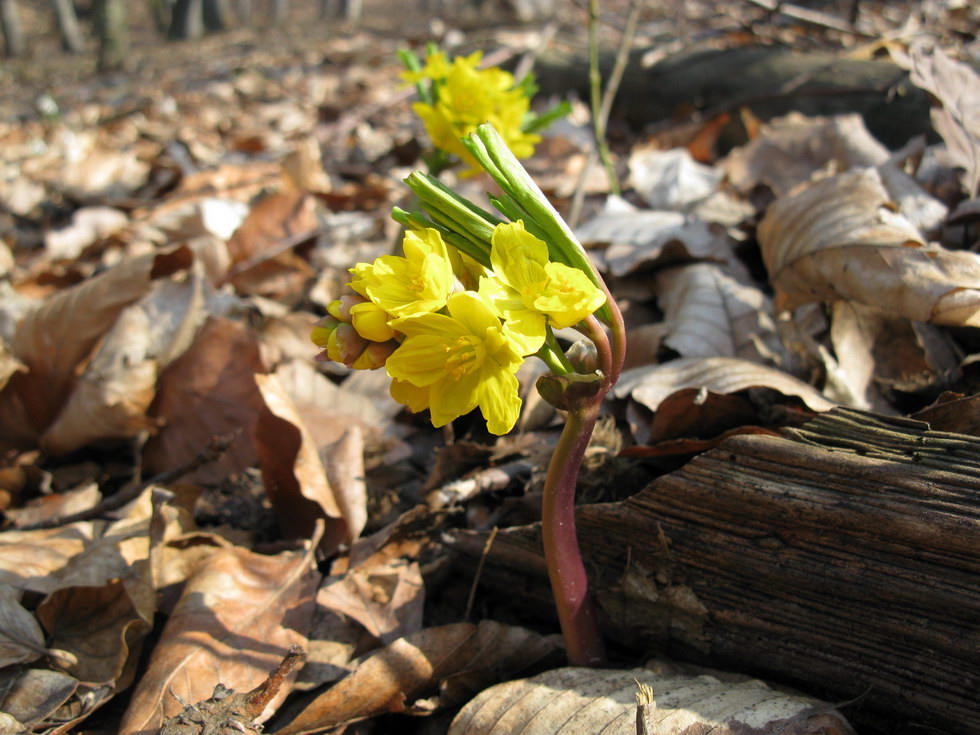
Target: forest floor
170	234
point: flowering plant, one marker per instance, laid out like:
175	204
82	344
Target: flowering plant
453	319
456	96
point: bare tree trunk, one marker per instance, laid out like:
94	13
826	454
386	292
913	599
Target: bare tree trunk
68	26
346	9
215	15
244	11
13	36
71	34
280	9
113	31
188	20
162	12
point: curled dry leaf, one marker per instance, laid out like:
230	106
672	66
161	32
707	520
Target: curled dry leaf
652	384
709	313
391	679
112	396
236	619
875	350
578	700
295	478
208	391
670	179
841	240
387	600
53	339
642	238
28	559
104	603
21	638
32	695
955	85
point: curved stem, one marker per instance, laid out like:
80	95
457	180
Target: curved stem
569	582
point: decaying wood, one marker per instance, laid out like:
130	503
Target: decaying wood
769	80
843	558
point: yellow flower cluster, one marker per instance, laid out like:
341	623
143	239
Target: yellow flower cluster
463	97
449	349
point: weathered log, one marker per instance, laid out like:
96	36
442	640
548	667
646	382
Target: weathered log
769	80
843	559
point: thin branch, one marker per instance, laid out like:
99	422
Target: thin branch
215	450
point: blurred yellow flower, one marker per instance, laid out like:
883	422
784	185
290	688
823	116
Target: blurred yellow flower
530	292
453	363
464	97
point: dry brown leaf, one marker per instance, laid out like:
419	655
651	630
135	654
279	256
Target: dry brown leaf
31	696
651	385
28	559
262	260
391	679
112	396
55	505
958	119
53	339
101	626
8	364
670	179
104	602
208	391
577	700
293	472
386	600
236	619
21	638
953	412
840	240
709	313
643	238
875	350
88	226
788	151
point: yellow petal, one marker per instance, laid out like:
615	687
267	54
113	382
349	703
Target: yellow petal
518	257
413	396
569	297
451	398
420	360
498	399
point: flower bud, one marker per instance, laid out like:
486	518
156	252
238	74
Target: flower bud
584	356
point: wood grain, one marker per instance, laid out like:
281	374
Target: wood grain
843	559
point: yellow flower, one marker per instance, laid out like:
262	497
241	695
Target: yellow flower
530	291
436	68
466	97
416	284
463	360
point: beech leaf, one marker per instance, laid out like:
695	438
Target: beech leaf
112	396
652	384
54	338
236	619
841	240
709	313
578	700
392	678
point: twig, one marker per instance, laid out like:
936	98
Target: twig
284	245
216	449
814	17
479	573
602	110
595	89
